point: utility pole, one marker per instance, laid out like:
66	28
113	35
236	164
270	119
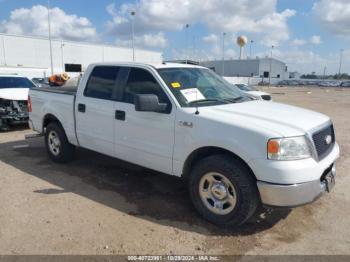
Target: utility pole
250	48
187	43
270	66
223	53
324	72
340	61
133	13
49	26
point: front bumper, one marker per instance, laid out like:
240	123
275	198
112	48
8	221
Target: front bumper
296	194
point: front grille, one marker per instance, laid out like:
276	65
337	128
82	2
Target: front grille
266	97
320	141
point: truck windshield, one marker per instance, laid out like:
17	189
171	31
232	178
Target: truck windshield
200	87
15	82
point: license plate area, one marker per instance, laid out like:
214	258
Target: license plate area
330	182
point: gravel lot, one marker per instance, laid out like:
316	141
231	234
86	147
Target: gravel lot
98	205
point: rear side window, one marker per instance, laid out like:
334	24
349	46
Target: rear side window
102	82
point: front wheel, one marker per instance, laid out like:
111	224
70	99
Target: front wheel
57	145
223	190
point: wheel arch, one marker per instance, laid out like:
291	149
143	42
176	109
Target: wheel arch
206	151
49	118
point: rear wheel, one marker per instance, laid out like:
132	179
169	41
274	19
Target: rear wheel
57	145
223	190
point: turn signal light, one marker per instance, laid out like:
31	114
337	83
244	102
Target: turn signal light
273	147
29	104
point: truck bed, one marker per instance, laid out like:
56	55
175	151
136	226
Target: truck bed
67	90
56	101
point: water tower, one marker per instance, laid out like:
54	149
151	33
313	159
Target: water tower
241	41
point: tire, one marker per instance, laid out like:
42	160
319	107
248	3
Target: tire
223	190
57	145
3	125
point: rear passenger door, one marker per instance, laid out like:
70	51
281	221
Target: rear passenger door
144	138
95	110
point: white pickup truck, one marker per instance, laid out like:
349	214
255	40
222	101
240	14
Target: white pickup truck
183	120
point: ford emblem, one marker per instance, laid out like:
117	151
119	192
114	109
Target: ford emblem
328	139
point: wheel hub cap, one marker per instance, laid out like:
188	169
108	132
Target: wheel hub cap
54	143
219	191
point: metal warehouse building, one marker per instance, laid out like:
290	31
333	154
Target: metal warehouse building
30	56
259	68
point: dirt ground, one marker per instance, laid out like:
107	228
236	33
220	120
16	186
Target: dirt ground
98	205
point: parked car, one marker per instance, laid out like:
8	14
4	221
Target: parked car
40	81
329	83
254	92
345	84
235	152
13	100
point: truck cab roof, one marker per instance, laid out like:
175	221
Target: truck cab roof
154	65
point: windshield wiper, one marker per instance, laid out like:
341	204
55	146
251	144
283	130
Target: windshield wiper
234	99
208	100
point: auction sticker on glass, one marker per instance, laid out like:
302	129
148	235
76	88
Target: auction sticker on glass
192	94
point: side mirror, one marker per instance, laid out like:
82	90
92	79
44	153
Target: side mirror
149	103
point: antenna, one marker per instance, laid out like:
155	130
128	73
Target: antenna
197	112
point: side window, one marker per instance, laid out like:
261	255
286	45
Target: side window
102	82
140	81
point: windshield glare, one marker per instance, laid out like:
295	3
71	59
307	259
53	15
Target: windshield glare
199	84
15	82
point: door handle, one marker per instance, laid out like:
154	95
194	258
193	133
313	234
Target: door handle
81	108
120	115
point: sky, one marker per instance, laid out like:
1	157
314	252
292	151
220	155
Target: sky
306	34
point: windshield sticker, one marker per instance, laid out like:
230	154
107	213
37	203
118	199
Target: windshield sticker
192	94
176	85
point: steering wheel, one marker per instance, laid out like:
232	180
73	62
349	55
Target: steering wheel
210	92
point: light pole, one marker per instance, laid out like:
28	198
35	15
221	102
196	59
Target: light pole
223	53
324	72
250	48
194	51
187	48
340	61
133	13
62	60
3	49
270	66
49	27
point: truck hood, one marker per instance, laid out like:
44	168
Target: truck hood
18	94
275	118
256	93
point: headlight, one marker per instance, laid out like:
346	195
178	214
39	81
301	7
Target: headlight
290	148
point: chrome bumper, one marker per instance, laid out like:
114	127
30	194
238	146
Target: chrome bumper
295	194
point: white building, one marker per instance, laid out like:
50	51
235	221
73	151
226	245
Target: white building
294	75
256	70
30	56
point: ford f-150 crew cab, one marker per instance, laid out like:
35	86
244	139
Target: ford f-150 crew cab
183	120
